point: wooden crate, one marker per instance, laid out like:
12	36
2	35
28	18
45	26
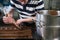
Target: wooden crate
11	32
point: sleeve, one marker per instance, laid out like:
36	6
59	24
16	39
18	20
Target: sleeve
12	4
1	20
7	9
40	5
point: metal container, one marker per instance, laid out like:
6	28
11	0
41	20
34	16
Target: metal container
50	25
52	29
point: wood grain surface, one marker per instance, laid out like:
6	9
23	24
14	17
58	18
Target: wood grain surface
11	32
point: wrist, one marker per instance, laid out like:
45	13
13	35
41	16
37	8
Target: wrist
33	20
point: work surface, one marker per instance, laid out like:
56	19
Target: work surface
11	32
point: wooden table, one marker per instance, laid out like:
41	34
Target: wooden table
11	32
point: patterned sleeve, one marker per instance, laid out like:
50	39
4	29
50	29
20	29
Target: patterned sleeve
7	9
12	4
40	5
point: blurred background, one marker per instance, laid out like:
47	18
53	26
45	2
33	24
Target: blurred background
52	4
4	2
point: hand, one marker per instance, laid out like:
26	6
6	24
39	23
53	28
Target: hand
11	20
5	19
19	21
8	20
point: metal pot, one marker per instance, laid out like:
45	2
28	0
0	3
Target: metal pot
50	25
51	31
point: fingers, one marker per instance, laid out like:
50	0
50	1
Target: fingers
5	20
19	21
8	20
11	20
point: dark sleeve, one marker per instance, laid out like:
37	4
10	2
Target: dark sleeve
1	20
1	17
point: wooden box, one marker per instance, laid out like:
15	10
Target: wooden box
11	32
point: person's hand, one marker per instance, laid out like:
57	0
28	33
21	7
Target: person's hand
8	20
5	19
19	21
11	20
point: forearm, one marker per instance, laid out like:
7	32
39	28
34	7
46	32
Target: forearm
29	19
